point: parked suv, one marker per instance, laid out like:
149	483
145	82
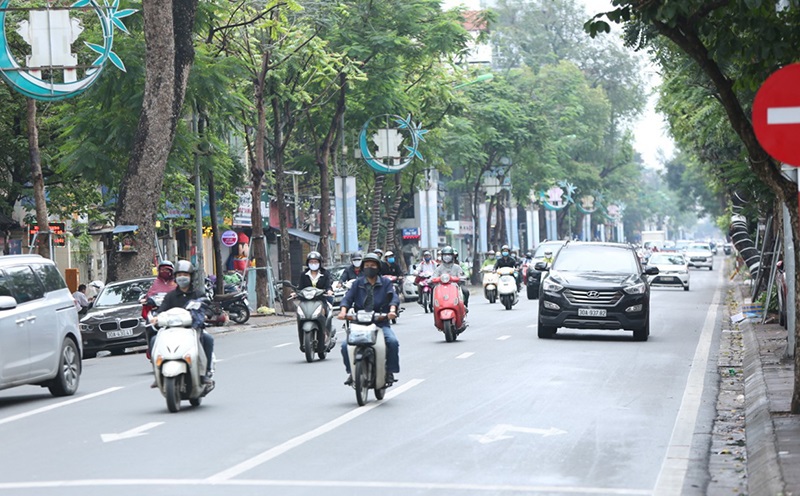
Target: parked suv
595	286
39	338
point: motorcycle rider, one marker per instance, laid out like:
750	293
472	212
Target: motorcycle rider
165	282
448	266
316	276
425	268
392	267
354	269
179	298
374	293
490	260
384	266
548	257
506	260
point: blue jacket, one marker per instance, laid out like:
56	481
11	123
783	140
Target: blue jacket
383	295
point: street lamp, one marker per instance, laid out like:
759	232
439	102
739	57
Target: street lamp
294	174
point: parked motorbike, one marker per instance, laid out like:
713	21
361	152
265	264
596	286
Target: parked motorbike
179	361
448	305
367	353
236	305
507	287
490	281
314	329
425	293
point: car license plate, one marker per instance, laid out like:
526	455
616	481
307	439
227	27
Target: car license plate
120	334
668	279
591	312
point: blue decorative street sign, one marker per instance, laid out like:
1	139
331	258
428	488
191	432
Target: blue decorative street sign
388	158
50	32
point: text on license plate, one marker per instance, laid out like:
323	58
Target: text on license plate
120	334
591	312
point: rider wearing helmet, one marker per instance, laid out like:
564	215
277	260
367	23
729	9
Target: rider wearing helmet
354	269
316	276
384	266
427	265
548	257
165	282
506	260
448	266
374	293
490	261
392	267
179	298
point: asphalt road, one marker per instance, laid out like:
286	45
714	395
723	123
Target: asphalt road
497	412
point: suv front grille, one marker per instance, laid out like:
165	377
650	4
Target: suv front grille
592	297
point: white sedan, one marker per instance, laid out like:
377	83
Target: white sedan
700	255
673	270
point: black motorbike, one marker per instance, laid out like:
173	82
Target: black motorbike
314	328
236	305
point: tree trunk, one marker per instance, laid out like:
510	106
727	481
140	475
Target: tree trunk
491	234
168	28
377	202
42	218
257	172
391	234
212	210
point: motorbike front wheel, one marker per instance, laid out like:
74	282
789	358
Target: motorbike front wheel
449	331
239	313
424	298
508	302
173	394
363	373
322	351
308	347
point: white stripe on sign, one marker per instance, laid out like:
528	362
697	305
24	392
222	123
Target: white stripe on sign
783	115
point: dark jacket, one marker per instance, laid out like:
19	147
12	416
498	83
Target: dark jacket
383	295
508	261
178	299
350	273
324	282
393	269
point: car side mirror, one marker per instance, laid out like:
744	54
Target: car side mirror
651	271
542	266
7	303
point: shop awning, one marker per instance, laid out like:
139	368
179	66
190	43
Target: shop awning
124	229
305	236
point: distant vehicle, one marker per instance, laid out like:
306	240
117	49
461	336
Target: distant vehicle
700	255
338	288
114	321
595	286
39	339
682	244
653	238
533	278
673	270
727	248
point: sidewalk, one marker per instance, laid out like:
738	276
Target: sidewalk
256	321
772	434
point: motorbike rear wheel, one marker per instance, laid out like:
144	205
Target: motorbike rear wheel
308	347
173	394
424	299
508	302
195	401
492	296
239	313
363	374
449	331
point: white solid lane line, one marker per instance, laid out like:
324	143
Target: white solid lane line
465	355
308	436
503	338
57	405
282	345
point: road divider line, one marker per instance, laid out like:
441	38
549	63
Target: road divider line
503	338
308	436
57	405
465	355
282	345
676	462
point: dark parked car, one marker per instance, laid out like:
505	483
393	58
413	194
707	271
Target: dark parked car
595	286
114	321
533	276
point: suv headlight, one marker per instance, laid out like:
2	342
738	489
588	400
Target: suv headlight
639	288
551	286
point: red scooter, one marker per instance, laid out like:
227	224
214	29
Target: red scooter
449	311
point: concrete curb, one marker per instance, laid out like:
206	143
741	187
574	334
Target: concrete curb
763	468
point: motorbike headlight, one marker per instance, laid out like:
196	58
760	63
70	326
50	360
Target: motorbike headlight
317	312
639	288
300	313
551	286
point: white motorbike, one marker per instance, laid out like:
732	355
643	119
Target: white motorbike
179	361
507	287
366	350
490	282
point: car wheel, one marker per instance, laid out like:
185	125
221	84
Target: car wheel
533	293
643	333
68	376
118	351
546	332
711	268
686	288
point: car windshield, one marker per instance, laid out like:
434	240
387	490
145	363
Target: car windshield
122	293
681	245
546	247
699	246
596	259
666	259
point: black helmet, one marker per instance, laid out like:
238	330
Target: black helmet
529	254
184	266
378	251
448	250
313	255
372	256
356	256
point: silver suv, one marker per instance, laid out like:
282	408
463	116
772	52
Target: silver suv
39	338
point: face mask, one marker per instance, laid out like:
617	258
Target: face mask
390	259
165	274
447	258
356	263
427	259
371	272
183	281
505	253
313	266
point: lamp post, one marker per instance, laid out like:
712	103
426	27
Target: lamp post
294	174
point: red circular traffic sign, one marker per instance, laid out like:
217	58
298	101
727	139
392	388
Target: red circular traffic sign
776	115
229	238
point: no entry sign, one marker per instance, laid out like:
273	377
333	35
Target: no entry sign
776	115
229	238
